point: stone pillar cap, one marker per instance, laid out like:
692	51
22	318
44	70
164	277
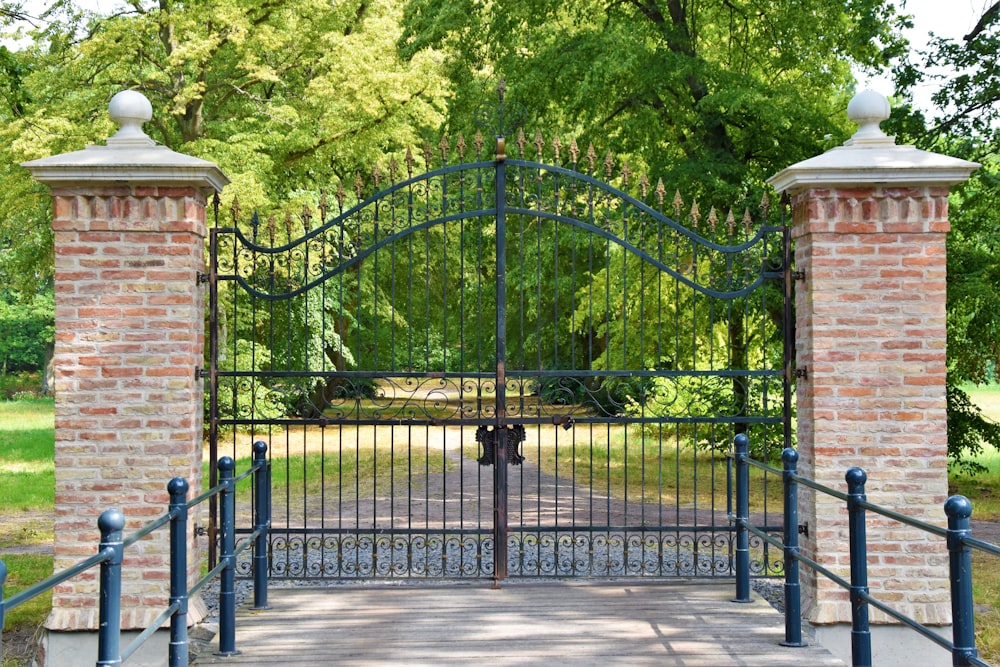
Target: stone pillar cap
870	158
130	156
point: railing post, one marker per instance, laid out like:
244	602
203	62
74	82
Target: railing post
793	600
742	446
861	639
178	652
227	585
262	522
959	509
111	524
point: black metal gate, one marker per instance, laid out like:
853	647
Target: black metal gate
500	367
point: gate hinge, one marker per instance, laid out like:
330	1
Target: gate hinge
203	278
798	275
804	529
202	373
802	372
200	531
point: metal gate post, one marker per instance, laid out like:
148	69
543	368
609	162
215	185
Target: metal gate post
742	445
227	583
262	522
500	449
861	638
178	651
793	600
959	509
111	524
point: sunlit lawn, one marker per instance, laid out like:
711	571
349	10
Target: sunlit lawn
27	484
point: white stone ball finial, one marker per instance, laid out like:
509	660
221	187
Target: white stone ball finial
130	109
868	109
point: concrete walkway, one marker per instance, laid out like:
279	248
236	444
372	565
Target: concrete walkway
690	624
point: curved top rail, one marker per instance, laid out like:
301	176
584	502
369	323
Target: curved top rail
595	195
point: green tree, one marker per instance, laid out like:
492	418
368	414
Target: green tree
966	124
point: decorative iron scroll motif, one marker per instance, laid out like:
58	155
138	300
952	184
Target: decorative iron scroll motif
487	437
535	554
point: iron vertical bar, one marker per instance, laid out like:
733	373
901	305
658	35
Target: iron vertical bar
861	640
793	601
227	585
178	650
788	334
500	449
262	522
959	509
742	445
111	524
213	387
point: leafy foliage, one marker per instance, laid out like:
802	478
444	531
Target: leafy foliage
966	126
27	333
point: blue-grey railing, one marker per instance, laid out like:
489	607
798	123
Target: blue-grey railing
958	537
111	551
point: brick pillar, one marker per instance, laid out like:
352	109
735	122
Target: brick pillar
870	220
129	222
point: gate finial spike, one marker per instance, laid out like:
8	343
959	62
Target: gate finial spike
272	227
409	162
460	146
591	157
376	176
502	89
443	147
427	156
661	192
358	185
695	214
556	146
747	221
234	209
539	145
478	142
765	204
306	216
574	151
341	195
609	165
324	206
521	142
678	204
643	184
393	168
626	172
730	222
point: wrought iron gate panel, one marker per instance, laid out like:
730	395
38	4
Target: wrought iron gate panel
499	368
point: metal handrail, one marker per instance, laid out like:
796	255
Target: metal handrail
958	535
110	556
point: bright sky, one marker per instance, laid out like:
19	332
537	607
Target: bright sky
945	18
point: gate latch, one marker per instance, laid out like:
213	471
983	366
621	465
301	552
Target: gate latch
487	437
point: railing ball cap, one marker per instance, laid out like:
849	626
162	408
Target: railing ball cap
227	463
958	507
856	476
111	520
789	455
259	447
741	440
178	486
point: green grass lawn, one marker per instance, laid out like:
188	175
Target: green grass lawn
27	443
